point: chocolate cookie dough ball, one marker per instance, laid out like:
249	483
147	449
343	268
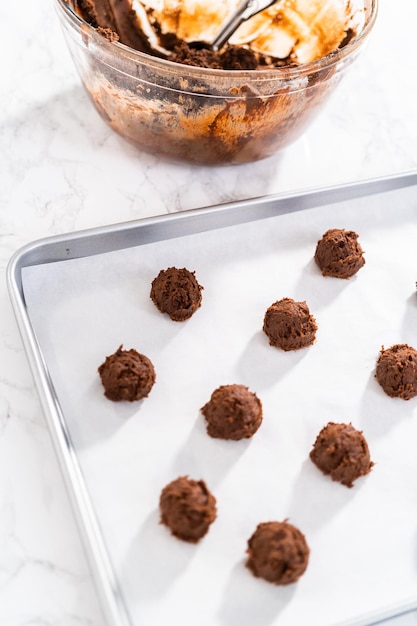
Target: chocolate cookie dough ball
127	375
233	412
289	325
396	371
177	293
187	508
278	552
342	452
339	254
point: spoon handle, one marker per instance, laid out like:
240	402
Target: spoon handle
245	10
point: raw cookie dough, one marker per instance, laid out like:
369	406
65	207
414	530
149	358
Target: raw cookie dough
289	33
289	325
339	254
177	293
278	552
342	452
233	412
187	508
127	375
396	371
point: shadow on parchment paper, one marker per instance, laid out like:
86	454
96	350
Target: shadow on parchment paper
249	601
202	455
319	291
261	365
154	561
318	496
104	417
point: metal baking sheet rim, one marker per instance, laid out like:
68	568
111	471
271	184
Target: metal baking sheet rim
104	239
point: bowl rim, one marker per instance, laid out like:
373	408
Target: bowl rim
284	72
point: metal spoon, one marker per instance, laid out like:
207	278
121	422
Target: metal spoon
245	10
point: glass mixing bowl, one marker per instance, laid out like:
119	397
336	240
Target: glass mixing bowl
200	115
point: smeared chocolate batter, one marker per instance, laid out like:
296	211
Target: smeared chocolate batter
114	16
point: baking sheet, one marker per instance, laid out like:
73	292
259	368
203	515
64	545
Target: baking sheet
362	540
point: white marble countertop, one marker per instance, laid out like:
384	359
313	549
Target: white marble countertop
62	169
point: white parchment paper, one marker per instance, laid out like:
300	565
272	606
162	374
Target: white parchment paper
363	540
